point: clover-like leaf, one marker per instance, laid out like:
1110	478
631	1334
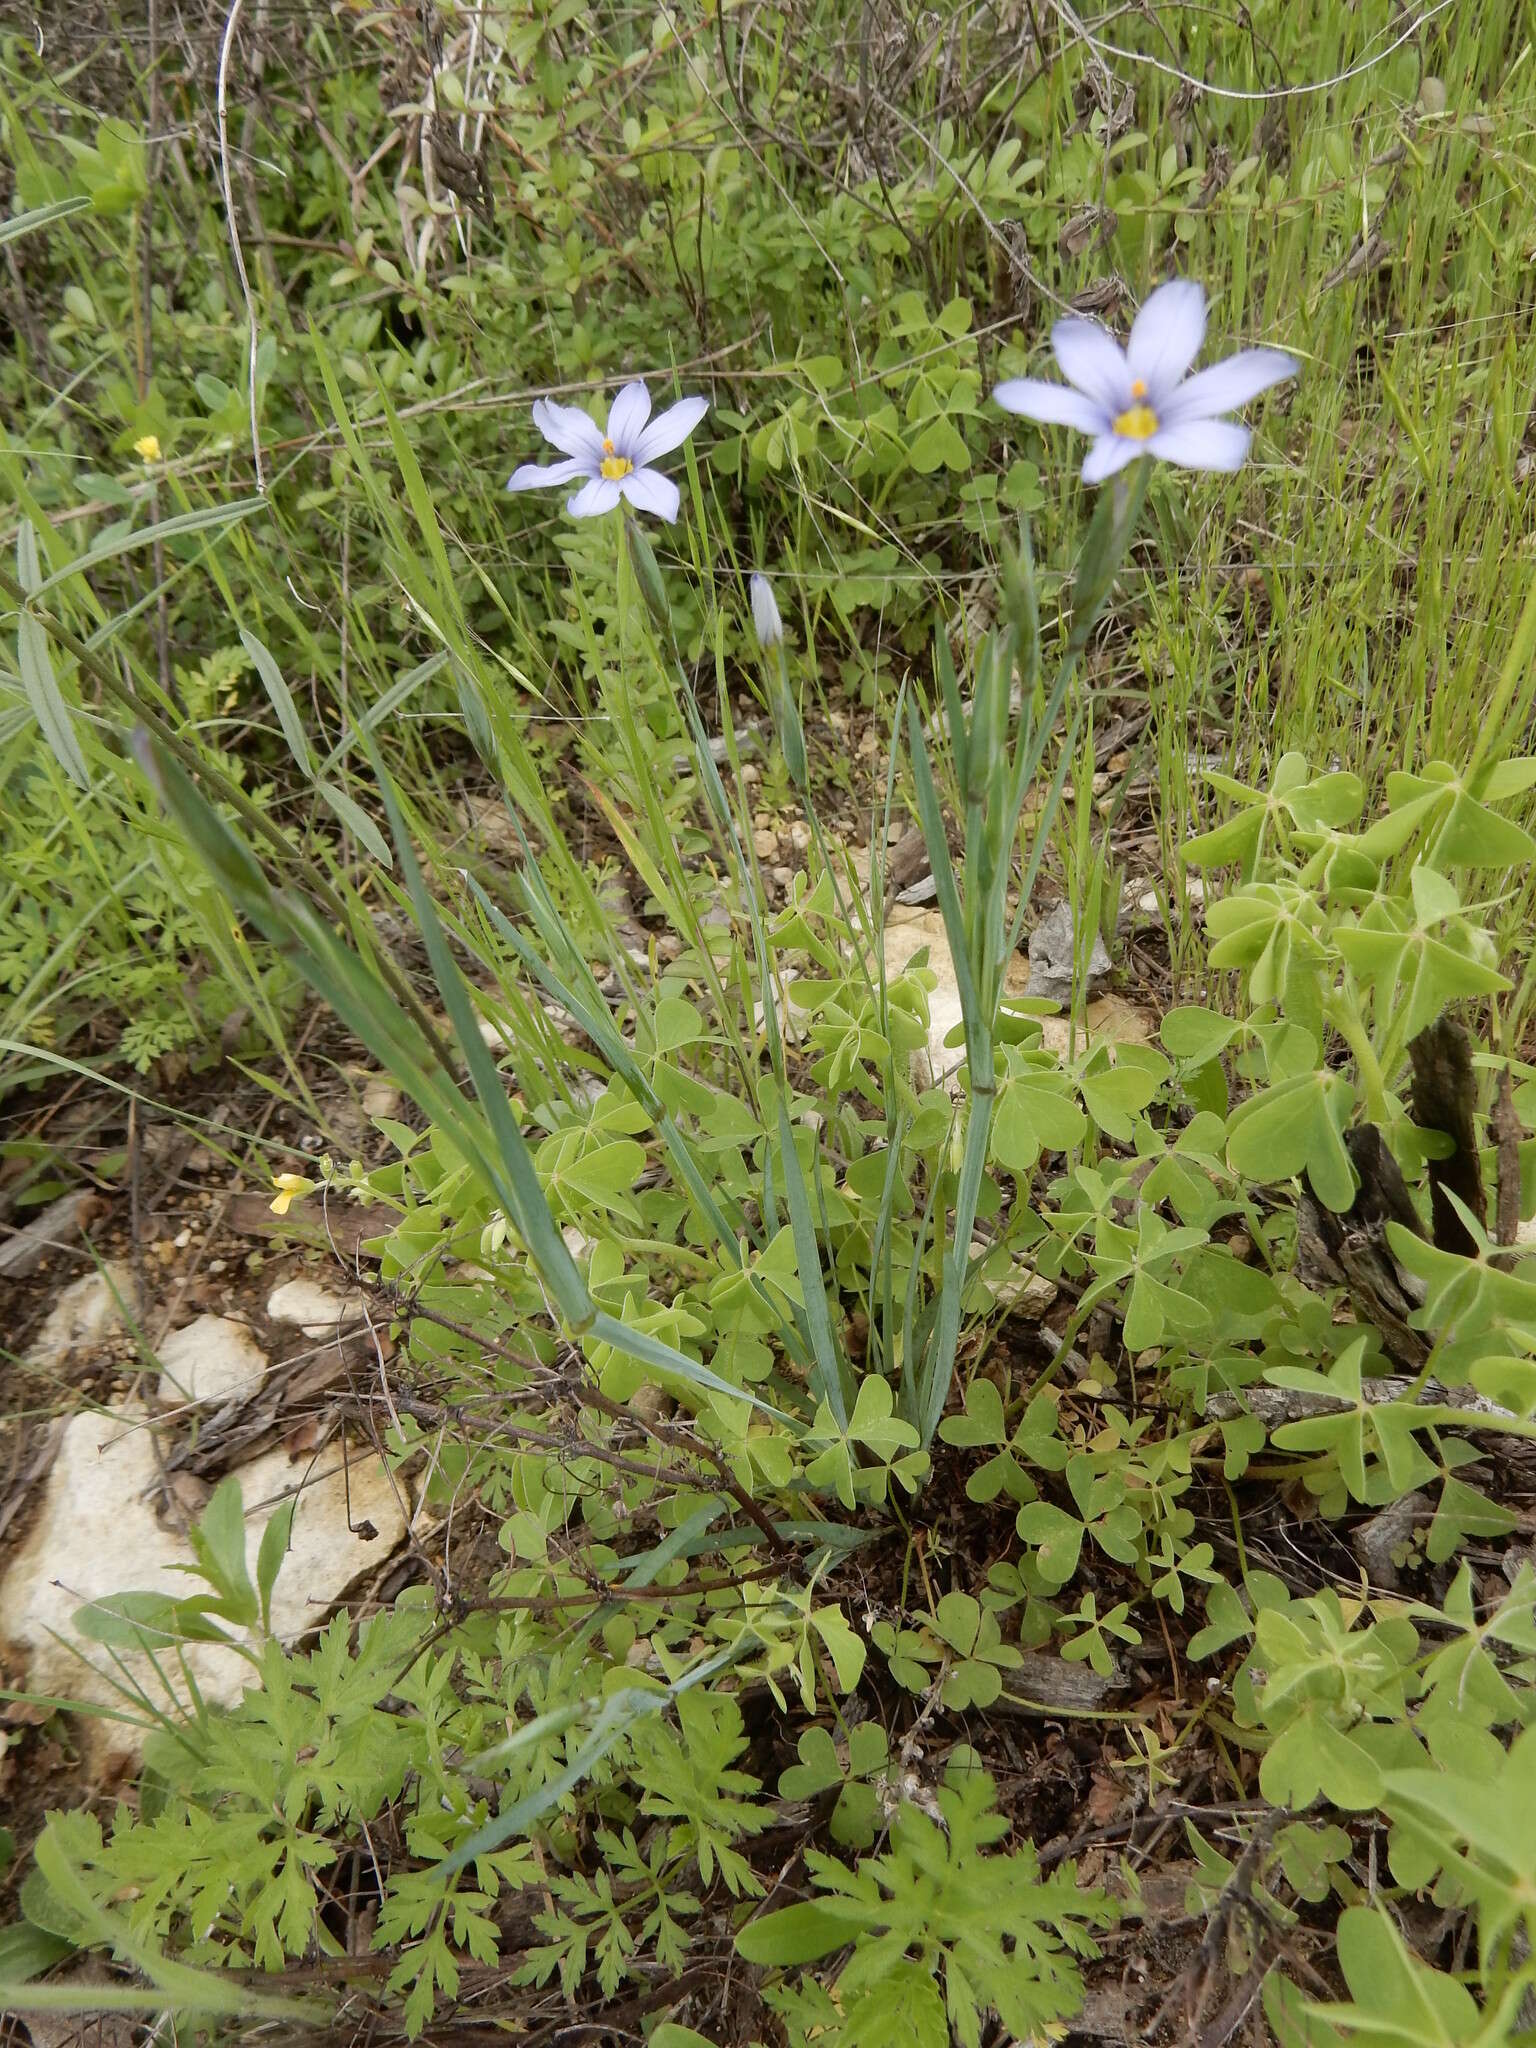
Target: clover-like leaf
1295	1128
1055	1537
1035	1113
1195	1036
818	1769
982	1421
1459	829
874	1421
1311	1757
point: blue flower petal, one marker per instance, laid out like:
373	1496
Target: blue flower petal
649	491
1226	386
629	413
1202	444
1056	405
669	430
1166	337
595	496
1091	359
567	428
1111	452
538	476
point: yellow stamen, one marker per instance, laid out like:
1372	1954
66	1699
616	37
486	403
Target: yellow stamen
613	466
1137	423
1138	389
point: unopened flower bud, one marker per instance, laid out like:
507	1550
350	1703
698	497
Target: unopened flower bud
765	612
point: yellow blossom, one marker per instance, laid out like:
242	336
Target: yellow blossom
291	1187
147	447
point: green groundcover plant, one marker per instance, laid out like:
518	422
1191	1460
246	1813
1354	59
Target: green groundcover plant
700	1279
680	1183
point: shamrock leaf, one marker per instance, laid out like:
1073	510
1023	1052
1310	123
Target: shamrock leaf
1297	1127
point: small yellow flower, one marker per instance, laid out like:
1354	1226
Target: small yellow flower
147	447
291	1187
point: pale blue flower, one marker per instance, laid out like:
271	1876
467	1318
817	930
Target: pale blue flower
615	464
765	612
1140	400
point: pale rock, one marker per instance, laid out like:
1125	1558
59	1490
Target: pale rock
317	1311
653	1404
1110	1019
765	842
89	1310
213	1359
907	931
96	1535
1150	904
791	1027
906	935
1021	1289
488	820
381	1097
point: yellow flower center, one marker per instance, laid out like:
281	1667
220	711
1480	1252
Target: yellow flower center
613	466
1138	422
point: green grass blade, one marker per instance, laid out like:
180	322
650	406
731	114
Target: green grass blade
523	1197
827	1381
202	520
281	698
41	216
931	818
38	680
619	1713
